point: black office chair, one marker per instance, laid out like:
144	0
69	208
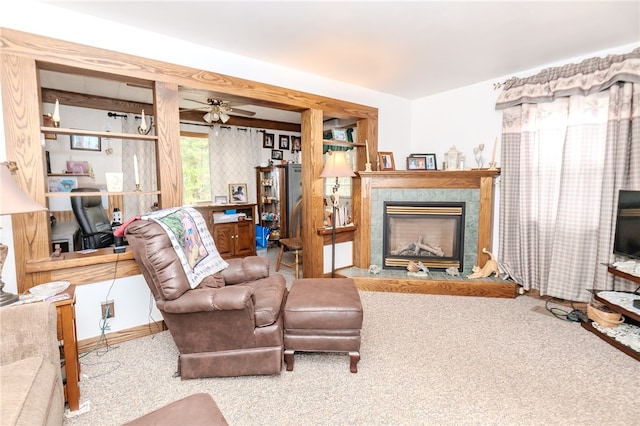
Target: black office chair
95	227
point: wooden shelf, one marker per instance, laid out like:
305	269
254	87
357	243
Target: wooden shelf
587	325
342	143
109	135
631	317
339	229
84	194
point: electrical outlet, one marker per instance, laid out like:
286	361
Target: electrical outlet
108	305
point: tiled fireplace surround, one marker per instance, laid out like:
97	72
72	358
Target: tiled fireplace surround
474	187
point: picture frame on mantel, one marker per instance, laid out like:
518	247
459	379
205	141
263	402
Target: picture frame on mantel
432	163
385	161
417	163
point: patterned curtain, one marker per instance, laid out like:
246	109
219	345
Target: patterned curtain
234	153
570	141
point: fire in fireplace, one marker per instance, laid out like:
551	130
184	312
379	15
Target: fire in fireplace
427	232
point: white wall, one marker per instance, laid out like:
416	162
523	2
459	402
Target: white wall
464	117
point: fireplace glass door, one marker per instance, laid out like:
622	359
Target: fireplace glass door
431	233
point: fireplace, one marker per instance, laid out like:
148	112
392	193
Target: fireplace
427	232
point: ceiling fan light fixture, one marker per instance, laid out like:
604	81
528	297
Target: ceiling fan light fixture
224	117
208	118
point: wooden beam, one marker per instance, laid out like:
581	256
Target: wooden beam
313	193
85	60
123	106
20	108
94	102
169	166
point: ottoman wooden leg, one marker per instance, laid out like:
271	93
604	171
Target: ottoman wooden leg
288	359
355	357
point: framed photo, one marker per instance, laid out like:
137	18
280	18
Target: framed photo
267	140
86	143
339	134
432	163
238	192
276	154
385	159
296	144
416	163
78	167
220	199
284	142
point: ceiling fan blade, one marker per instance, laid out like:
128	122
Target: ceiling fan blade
203	109
197	101
241	112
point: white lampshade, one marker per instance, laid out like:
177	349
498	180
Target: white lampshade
337	165
208	118
224	117
12	199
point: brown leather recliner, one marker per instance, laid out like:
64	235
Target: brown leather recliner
230	325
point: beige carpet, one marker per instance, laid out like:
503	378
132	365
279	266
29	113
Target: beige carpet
425	360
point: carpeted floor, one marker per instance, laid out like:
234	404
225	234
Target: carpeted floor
425	360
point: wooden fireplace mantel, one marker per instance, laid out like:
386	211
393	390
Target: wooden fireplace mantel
426	179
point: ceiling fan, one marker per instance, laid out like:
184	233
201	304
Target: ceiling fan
218	110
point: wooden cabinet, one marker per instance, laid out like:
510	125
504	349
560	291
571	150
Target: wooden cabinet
233	239
630	317
67	335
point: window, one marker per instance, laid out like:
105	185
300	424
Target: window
194	148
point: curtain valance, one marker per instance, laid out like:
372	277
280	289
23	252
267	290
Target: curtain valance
587	77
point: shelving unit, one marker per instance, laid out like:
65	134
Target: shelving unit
269	185
630	317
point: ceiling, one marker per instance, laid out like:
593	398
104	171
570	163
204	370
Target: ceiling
408	49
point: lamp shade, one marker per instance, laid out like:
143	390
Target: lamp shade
12	199
337	165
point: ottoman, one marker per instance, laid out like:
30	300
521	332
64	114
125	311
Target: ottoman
197	409
323	315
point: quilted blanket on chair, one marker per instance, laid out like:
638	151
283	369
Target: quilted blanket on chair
190	238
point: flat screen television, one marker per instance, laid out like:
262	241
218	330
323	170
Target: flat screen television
627	237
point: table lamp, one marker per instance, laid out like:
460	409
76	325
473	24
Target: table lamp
12	201
336	166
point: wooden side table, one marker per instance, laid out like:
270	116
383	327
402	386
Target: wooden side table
66	310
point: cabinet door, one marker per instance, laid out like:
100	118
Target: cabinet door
224	236
245	239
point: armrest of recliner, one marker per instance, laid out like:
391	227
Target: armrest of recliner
242	270
209	299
